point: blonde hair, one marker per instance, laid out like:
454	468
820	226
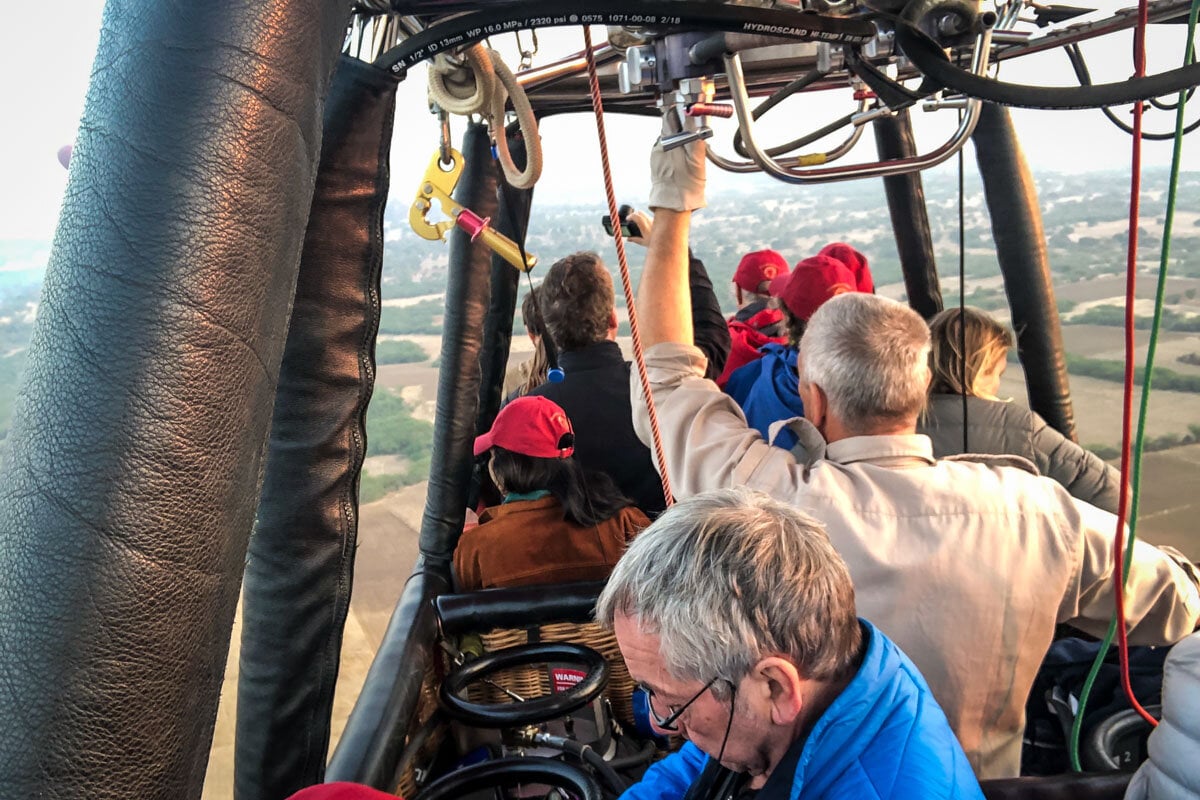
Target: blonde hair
963	347
535	370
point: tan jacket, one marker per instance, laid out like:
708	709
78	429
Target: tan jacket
967	566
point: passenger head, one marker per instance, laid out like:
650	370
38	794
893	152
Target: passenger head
532	444
855	261
531	316
864	366
968	352
810	284
755	272
577	302
740	592
539	365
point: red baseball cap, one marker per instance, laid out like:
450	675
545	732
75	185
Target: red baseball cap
813	281
757	267
856	262
531	426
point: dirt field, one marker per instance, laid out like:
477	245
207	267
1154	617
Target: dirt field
1107	342
1112	287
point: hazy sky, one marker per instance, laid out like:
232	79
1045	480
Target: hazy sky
45	62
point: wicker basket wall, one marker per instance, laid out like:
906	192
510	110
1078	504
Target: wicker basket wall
427	705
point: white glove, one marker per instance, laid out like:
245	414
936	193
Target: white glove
645	224
677	175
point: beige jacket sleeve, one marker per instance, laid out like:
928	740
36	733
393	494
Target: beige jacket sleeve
707	443
1162	601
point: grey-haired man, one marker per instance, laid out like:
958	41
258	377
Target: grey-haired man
737	616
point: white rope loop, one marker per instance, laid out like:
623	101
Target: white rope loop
483	85
463	88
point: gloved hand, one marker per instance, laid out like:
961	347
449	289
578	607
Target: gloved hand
645	223
677	175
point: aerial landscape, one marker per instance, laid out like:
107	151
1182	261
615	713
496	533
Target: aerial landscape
1084	218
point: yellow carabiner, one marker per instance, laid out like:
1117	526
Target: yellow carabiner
438	184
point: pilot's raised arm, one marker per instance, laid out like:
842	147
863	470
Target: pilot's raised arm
688	405
710	332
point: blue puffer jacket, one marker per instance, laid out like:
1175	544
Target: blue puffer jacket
768	390
884	738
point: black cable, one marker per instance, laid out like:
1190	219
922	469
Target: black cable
588	756
1164	105
802	141
547	340
643	756
468	29
928	57
416	742
798	85
962	293
1085	79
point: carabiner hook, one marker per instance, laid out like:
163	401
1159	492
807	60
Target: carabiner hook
445	148
527	53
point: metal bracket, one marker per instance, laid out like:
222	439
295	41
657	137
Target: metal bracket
637	69
741	102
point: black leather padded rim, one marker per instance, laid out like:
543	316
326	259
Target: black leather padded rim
529	712
471	28
510	771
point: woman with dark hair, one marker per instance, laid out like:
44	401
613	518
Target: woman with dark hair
555	524
968	354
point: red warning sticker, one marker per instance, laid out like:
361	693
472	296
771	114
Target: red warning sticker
565	679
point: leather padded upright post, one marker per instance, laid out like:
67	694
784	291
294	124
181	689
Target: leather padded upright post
301	564
1021	249
131	477
370	748
910	218
512	219
468	296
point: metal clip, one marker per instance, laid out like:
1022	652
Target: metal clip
438	184
446	147
527	53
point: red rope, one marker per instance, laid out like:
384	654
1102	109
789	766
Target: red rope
1139	63
638	357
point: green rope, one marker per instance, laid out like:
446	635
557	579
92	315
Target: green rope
1143	409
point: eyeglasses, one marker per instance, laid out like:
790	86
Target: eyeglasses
729	724
667	723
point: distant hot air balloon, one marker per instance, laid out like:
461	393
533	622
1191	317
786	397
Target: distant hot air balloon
64	155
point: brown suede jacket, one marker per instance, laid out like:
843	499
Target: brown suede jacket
527	542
